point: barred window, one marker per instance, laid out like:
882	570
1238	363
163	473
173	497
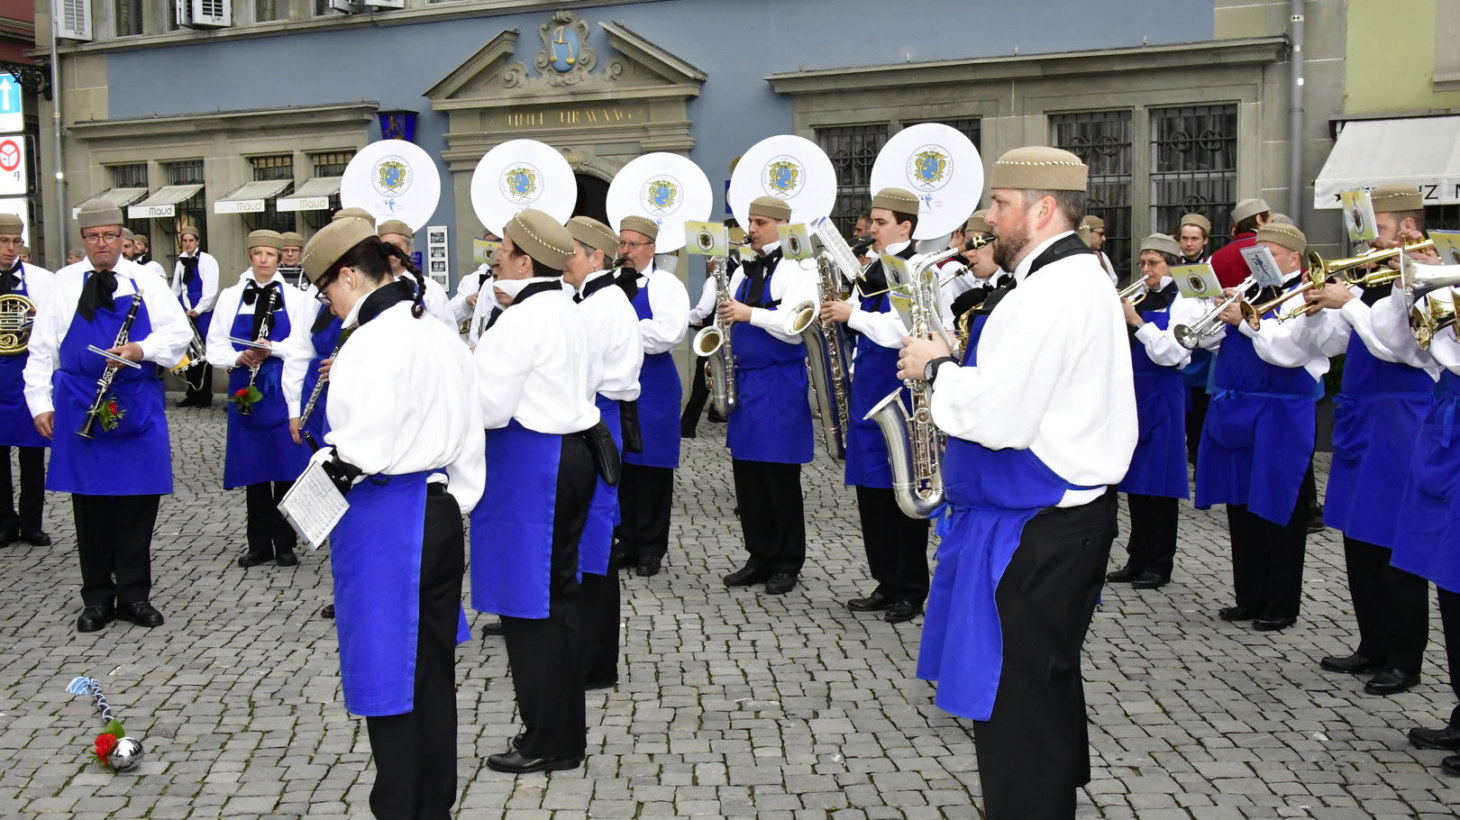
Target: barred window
332	164
131	176
277	167
266	10
127	17
852	149
1194	167
1102	139
971	127
191	212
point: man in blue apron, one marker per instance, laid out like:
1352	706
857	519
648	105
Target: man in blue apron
1041	421
1385	395
31	283
109	445
896	545
769	433
1256	453
195	283
647	492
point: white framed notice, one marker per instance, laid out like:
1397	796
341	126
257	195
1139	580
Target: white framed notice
436	254
13	158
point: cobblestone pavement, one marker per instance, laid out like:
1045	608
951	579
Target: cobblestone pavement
732	703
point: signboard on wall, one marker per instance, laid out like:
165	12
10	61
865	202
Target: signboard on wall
436	255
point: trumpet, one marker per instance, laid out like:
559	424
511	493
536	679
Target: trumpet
1352	267
1254	313
1429	318
713	344
1136	292
1189	336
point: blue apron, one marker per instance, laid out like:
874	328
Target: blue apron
1424	540
17	426
136	457
512	526
873	377
772	418
259	447
324	344
194	291
660	393
991	495
603	513
1158	466
1258	413
1376	414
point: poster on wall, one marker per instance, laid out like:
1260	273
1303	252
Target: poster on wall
436	255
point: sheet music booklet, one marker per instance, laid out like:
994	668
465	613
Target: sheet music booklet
313	506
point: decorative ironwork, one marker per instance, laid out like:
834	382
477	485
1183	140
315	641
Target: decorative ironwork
33	78
565	58
192	211
133	175
1194	167
852	150
1103	140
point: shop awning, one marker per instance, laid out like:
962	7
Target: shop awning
1422	151
251	197
120	197
313	195
163	202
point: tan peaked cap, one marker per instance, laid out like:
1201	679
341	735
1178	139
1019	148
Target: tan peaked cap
332	242
595	235
897	200
1161	243
291	239
1038	168
1198	220
265	239
93	213
395	226
353	213
1395	198
1248	208
978	224
11	224
540	237
770	207
640	224
1287	236
187	230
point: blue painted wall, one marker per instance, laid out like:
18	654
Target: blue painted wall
735	42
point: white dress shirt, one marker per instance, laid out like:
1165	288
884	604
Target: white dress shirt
793	282
208	270
1389	322
669	302
296	350
1291	343
481	312
1060	386
533	364
1161	346
615	349
704	309
156	267
403	400
37	283
461	309
164	345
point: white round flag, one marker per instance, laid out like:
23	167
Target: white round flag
786	167
664	187
941	167
392	179
522	174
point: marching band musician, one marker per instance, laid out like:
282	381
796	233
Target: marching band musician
16	430
403	411
1157	474
615	354
469	289
119	471
1092	230
769	434
533	368
1256	453
699	316
485	310
1382	402
986	274
1192	235
1247	217
195	283
263	455
1041	421
291	251
143	257
896	545
647	492
438	304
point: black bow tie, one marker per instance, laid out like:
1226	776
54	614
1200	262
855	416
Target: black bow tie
9	279
97	293
251	293
190	268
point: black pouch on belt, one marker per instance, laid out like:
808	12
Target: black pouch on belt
629	421
605	452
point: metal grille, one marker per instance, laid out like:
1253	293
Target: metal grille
192	211
1194	167
279	167
852	149
1102	140
131	176
971	127
127	17
331	164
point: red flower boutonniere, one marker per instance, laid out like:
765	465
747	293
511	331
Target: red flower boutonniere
108	414
246	398
107	741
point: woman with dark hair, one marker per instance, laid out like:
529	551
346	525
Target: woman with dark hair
406	445
264	383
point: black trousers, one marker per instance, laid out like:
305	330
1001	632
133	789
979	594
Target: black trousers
543	653
645	496
415	753
1034	750
32	491
772	517
897	546
114	543
598	621
1450	619
205	392
1195	419
268	533
1152	544
1391	606
699	394
1267	558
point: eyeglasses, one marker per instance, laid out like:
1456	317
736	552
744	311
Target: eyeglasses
320	288
98	238
624	243
11	240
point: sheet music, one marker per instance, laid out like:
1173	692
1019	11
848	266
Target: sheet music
313	506
247	343
114	357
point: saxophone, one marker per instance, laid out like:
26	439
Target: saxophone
828	355
713	343
914	443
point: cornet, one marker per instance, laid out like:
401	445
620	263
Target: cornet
1136	292
1352	267
1189	336
1435	314
1417	280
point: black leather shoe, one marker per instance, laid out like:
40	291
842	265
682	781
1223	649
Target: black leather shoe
687	434
590	685
901	611
327	611
1354	664
491	628
715	418
1447	739
36	539
1150	580
248	559
876	602
1272	624
745	576
514	763
140	613
186	402
1391	682
94	618
648	567
286	559
780	583
1235	613
1451	765
1123	575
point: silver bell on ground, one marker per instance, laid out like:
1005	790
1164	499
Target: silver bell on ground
126	755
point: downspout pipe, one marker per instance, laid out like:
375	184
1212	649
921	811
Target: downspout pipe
57	152
1295	111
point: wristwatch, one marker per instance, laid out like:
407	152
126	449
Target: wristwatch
930	371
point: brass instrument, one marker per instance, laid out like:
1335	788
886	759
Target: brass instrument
1416	280
17	316
104	383
1136	292
828	358
1430	312
194	359
1429	318
1190	336
266	326
1352	267
1254	313
713	344
914	443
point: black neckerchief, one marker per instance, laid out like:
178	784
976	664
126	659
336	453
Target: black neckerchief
1069	245
190	268
97	293
269	295
595	286
874	279
759	272
382	298
142	258
1374	293
10	279
535	288
1158	300
628	282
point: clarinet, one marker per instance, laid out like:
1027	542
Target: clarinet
104	383
266	326
314	395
